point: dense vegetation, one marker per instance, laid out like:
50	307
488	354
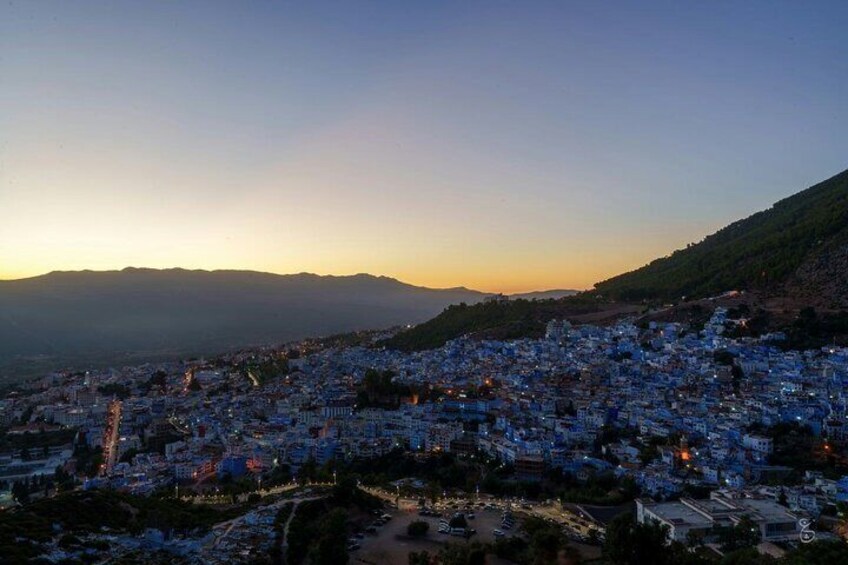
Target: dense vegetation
266	370
759	252
23	531
493	319
797	447
813	330
630	543
318	531
446	471
37	441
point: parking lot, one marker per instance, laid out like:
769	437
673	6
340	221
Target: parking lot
391	545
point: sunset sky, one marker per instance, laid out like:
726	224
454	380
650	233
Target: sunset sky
503	146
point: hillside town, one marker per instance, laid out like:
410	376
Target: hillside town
692	420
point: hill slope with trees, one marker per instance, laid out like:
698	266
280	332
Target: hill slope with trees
796	244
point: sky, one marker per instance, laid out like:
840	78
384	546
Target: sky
502	146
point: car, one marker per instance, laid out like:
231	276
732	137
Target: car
498	533
470	515
359	535
353	546
371	530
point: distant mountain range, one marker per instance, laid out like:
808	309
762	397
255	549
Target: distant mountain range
70	317
798	247
88	317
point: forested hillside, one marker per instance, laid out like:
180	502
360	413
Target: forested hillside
762	252
493	319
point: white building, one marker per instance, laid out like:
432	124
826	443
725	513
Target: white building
776	523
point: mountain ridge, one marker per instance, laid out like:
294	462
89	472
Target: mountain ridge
765	252
94	317
88	317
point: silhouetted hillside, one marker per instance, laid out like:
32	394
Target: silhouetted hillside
491	319
66	317
797	250
800	245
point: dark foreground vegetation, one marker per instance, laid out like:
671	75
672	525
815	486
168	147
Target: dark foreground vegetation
492	319
26	532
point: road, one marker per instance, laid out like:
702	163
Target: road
230	524
222	499
111	436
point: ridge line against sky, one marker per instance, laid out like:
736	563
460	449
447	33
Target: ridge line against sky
495	146
301	273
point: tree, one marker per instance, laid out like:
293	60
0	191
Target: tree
127	457
308	471
746	556
462	554
629	543
694	538
547	544
746	533
433	491
419	558
818	553
648	453
512	549
331	546
64	480
159	378
417	528
20	492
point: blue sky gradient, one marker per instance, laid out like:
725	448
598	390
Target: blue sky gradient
498	145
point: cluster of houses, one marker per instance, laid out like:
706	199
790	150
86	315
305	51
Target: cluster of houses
666	405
